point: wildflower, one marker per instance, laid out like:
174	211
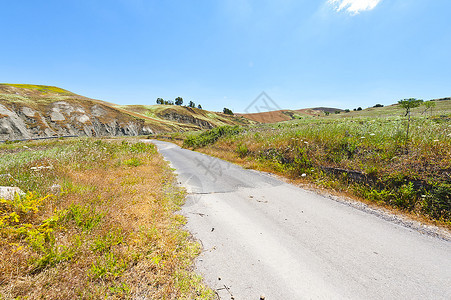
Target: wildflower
303	175
306	142
435	140
372	134
362	137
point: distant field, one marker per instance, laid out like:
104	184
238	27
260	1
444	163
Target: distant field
442	108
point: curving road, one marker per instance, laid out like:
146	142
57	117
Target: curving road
262	236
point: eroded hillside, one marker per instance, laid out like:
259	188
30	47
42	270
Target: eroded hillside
36	111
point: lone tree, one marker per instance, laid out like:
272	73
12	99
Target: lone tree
227	111
191	104
408	104
160	101
429	106
199	106
178	101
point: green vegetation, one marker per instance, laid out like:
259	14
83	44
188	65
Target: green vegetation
227	111
202	139
97	221
178	101
45	89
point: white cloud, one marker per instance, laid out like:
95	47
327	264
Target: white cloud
354	6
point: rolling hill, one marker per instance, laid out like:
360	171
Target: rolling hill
37	111
442	109
287	115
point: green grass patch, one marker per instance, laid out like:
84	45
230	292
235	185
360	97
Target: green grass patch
211	136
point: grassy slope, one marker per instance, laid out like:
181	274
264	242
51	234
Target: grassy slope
110	233
441	108
281	115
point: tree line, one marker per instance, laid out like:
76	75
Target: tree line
177	101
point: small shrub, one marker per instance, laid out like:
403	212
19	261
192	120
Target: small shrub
109	266
132	162
406	196
104	243
84	217
210	136
242	150
438	201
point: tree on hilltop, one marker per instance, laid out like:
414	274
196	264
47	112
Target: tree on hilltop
178	101
191	104
227	111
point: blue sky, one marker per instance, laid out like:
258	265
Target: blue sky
302	53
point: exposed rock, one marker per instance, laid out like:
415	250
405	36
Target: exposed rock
147	130
98	111
9	193
56	189
173	116
63	119
4	129
56	116
83	119
12	125
28	112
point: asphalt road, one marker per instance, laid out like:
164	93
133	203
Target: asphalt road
263	236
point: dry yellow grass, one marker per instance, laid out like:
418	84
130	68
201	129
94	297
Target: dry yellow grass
113	232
